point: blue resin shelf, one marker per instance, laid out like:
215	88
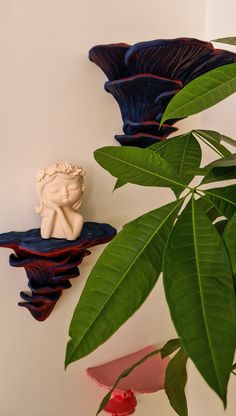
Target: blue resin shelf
49	264
144	77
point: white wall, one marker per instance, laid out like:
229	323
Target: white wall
53	107
220	22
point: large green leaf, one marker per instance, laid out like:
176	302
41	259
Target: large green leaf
220	226
203	92
159	147
229	238
208	207
213	139
139	166
175	382
219	174
221	169
121	280
167	150
228	41
224	162
224	199
183	153
168	348
200	292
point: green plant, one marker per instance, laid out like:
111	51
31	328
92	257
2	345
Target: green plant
191	240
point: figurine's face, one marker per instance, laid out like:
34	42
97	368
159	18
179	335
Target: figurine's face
63	191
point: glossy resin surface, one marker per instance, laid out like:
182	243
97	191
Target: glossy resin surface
144	77
51	263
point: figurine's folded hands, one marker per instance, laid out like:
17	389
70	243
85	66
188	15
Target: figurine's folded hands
71	222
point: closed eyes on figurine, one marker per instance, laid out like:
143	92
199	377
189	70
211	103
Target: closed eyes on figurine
73	187
53	190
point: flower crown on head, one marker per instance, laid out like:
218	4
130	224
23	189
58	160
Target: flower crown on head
60	167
